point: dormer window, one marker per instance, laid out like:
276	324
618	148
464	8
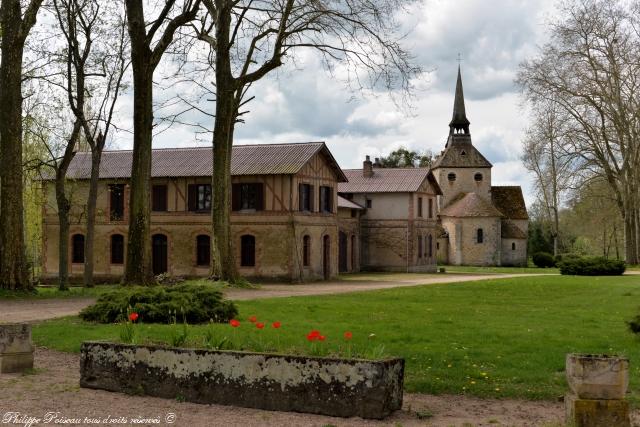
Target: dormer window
451	177
478	177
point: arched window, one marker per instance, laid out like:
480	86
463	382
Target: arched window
478	177
77	249
451	177
306	251
419	246
117	249
247	251
430	245
203	250
513	246
480	235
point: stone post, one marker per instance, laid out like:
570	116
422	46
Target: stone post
16	349
598	385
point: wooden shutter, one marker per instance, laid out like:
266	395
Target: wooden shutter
235	196
259	196
330	195
192	198
311	199
300	197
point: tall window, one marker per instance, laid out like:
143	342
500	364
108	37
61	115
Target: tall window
420	207
199	197
247	251
513	246
480	235
77	249
419	246
203	250
326	199
117	249
305	193
116	209
353	252
430	208
430	245
247	196
369	203
159	198
306	251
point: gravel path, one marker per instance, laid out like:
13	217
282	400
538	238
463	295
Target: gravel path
53	387
35	310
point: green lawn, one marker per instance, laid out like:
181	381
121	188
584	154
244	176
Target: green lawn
503	337
42	292
504	270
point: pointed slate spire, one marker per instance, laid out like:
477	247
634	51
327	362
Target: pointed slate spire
459	120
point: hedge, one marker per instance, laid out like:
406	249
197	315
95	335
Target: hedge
592	266
543	260
197	302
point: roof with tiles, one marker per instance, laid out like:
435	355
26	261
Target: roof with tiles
460	153
262	159
387	180
511	231
346	203
510	201
470	205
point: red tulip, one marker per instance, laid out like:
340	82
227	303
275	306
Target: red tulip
253	319
133	316
234	323
259	325
322	337
276	325
313	335
348	335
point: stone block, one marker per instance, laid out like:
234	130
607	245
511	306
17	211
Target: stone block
16	348
596	412
597	376
335	387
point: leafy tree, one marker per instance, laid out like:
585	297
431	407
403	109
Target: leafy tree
404	158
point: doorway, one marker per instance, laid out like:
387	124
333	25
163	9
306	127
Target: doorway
342	252
159	253
326	257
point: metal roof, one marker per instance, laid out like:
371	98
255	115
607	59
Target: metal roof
261	159
346	203
387	180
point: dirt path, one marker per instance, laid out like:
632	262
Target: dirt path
53	387
36	310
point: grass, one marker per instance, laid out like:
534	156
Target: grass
493	338
49	292
503	270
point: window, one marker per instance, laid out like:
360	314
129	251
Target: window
438	245
430	208
451	177
420	207
117	249
247	196
419	246
478	177
306	251
305	193
77	249
354	213
247	251
463	153
353	252
199	197
116	209
430	245
369	203
513	246
203	250
326	199
159	198
480	235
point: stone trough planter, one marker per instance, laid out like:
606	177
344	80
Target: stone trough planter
597	376
16	348
335	387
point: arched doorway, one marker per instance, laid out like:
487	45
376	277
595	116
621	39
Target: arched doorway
326	257
342	252
159	253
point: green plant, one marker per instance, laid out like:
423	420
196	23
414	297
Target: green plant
592	266
179	334
543	260
213	341
128	328
425	414
200	301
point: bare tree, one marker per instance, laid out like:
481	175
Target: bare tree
145	57
15	29
249	39
96	61
591	70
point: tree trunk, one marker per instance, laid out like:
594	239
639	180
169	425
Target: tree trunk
223	260
63	236
13	267
96	157
631	256
138	268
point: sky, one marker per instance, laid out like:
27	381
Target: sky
305	104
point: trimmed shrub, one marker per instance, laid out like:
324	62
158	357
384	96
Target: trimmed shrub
592	266
566	257
543	260
197	302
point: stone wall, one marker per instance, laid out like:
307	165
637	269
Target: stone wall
335	387
514	252
16	348
463	246
465	183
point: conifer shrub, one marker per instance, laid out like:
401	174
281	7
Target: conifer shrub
543	260
591	266
195	302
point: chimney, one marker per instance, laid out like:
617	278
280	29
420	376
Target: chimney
367	168
376	163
